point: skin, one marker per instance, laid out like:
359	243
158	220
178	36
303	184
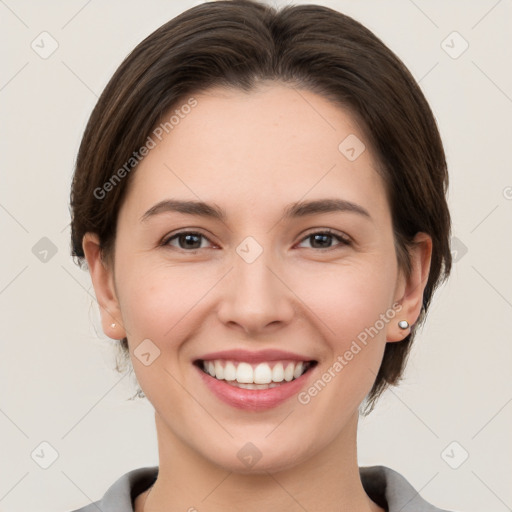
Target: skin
252	154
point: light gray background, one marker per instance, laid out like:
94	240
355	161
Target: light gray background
58	384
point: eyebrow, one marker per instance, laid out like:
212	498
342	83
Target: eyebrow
293	210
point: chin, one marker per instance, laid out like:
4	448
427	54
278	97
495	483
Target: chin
260	456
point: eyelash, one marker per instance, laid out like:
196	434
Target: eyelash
344	241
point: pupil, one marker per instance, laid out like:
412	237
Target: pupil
189	238
323	237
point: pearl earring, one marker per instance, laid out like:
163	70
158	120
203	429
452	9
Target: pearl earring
403	324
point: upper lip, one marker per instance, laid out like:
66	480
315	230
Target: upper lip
259	356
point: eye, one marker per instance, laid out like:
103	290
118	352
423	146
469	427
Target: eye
323	238
187	240
190	241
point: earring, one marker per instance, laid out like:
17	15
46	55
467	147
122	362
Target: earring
403	324
112	325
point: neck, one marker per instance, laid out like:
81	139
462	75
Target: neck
327	481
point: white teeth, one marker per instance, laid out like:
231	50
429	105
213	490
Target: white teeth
262	376
278	373
288	372
219	370
296	373
244	373
230	371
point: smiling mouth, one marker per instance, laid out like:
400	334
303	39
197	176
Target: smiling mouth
263	375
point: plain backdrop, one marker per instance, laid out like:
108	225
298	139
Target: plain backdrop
446	428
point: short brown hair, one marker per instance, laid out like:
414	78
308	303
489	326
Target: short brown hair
237	44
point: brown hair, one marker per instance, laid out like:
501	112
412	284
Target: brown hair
236	44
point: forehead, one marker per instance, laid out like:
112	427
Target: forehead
251	149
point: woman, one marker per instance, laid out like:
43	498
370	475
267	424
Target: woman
260	198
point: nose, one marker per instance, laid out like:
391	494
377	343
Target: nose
256	297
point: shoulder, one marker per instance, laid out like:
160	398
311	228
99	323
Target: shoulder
390	490
121	494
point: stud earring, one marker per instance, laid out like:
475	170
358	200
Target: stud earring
112	325
403	324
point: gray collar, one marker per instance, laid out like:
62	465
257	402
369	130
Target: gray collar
389	489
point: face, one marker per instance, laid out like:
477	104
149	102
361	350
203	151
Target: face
265	292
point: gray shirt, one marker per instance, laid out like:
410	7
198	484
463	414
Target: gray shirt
389	489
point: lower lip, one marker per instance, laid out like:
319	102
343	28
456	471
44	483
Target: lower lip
253	399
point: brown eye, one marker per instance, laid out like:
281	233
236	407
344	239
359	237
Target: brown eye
323	239
186	240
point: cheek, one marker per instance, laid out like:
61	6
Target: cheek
158	303
340	300
348	298
353	310
155	300
167	304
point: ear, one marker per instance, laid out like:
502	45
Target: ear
102	276
409	292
